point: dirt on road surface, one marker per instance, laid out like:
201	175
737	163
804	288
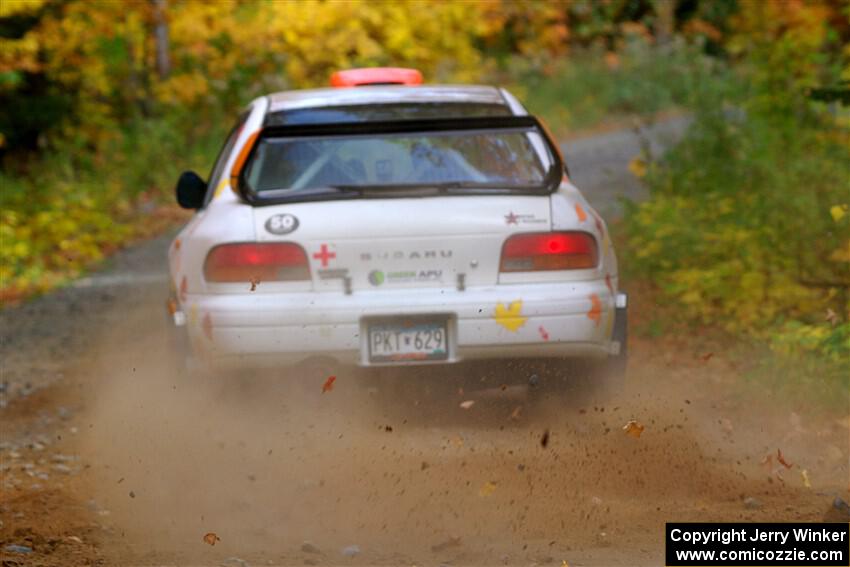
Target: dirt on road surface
110	458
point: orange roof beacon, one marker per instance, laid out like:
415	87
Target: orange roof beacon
376	76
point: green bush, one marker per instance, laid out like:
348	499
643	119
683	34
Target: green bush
746	228
590	87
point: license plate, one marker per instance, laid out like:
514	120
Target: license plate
408	340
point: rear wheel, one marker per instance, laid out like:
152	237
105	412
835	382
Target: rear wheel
613	370
582	380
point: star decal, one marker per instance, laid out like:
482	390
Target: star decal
511	218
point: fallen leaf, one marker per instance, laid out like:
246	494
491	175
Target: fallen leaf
487	489
637	166
543	334
255	281
516	413
595	313
805	474
329	384
582	216
633	428
544	439
838	212
706	357
467	404
831	317
782	460
211	538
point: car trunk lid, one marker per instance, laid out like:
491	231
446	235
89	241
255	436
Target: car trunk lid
403	242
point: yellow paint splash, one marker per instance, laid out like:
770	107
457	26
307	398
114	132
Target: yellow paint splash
509	317
220	188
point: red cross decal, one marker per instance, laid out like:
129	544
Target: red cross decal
324	255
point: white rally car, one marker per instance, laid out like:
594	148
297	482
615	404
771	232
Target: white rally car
385	222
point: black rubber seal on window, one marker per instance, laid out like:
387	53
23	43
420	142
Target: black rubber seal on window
550	183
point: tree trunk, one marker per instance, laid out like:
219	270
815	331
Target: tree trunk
163	62
665	11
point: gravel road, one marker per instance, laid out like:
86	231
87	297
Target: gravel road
109	458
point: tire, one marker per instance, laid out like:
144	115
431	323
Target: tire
614	371
183	365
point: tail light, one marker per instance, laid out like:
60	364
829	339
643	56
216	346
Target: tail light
248	262
530	252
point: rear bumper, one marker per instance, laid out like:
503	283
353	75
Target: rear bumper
528	320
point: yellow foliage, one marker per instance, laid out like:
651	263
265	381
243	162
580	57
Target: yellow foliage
536	25
223	53
785	36
18	7
841	254
19	54
838	212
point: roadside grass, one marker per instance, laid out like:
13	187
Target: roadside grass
751	368
592	88
72	207
740	246
747	231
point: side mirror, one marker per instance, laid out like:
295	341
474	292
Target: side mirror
191	190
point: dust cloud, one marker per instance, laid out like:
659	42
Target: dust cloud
391	470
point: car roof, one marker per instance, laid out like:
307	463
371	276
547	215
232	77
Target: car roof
384	94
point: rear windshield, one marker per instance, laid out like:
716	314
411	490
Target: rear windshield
496	158
384	112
